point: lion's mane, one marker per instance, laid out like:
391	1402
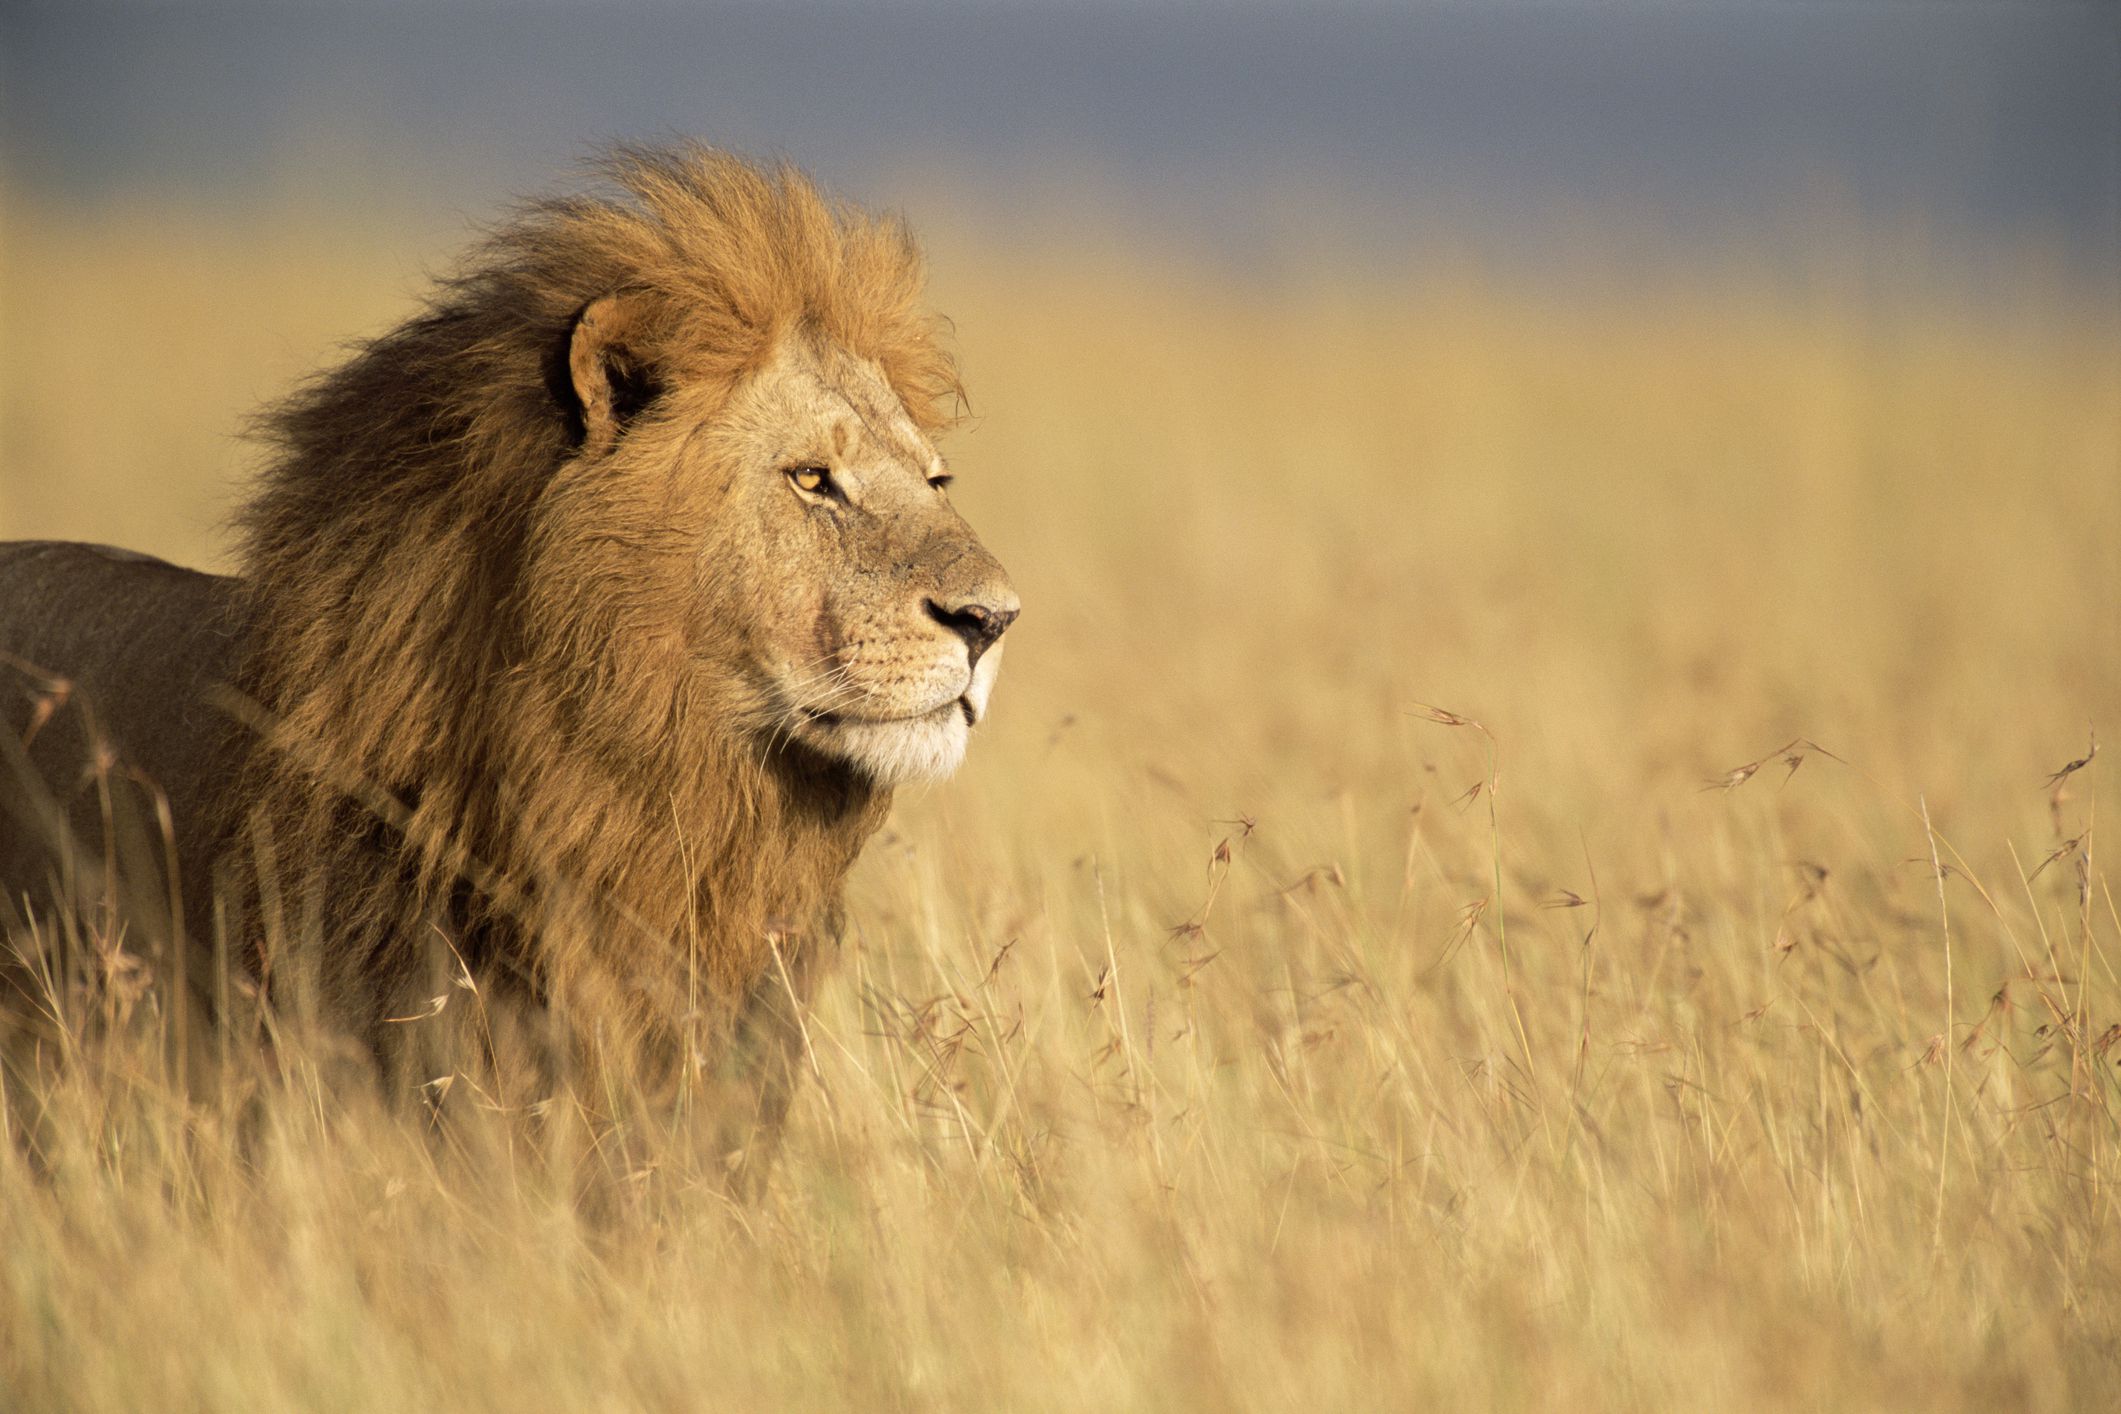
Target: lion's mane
479	733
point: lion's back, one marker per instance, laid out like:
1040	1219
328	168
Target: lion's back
106	645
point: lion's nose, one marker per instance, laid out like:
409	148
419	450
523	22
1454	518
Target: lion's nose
979	624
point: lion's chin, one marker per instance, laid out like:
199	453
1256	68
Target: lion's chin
902	750
896	753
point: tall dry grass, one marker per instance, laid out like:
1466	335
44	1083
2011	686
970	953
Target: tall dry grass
1381	952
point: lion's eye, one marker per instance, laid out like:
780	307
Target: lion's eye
942	482
811	480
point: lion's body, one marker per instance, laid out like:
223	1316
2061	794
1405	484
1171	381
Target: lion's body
145	644
529	683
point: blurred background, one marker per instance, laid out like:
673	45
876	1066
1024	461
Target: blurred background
1953	153
1221	126
1893	150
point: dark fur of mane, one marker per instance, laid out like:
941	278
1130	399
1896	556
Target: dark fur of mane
477	738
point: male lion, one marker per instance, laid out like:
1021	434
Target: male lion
585	622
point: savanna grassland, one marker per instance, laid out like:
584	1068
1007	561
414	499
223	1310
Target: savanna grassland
1523	858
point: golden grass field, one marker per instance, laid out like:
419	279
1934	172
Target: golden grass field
1241	1028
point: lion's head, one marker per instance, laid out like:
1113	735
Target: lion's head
624	578
835	596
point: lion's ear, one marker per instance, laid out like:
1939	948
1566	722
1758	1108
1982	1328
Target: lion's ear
608	364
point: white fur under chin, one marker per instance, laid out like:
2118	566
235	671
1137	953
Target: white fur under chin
925	748
901	753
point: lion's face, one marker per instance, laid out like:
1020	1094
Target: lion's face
868	617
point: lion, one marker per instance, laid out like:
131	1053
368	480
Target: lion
583	626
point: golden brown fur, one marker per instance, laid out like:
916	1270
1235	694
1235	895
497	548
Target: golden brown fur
538	709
